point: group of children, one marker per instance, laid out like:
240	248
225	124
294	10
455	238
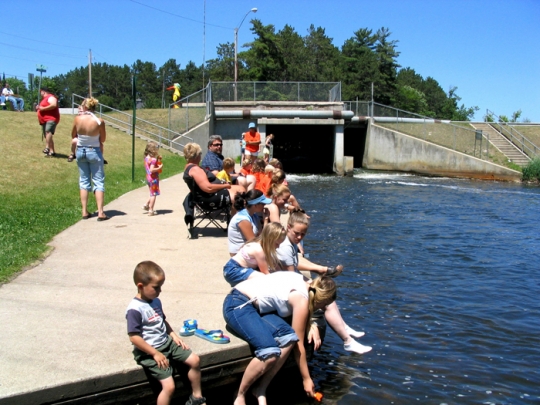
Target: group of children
156	344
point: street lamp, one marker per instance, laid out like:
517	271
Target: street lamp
254	10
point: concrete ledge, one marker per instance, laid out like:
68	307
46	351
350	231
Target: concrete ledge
65	339
391	150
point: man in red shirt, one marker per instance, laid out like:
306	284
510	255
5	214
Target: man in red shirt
253	140
48	117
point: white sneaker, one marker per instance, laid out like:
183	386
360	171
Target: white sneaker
356	347
351	332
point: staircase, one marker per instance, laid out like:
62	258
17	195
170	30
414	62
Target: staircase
502	143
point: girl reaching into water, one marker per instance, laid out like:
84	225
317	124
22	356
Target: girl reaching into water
255	309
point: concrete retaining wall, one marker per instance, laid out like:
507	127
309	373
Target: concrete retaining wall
392	150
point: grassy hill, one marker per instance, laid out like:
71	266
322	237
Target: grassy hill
39	196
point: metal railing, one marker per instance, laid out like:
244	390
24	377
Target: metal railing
513	135
190	111
277	91
460	137
165	137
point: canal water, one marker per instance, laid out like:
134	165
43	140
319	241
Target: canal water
442	275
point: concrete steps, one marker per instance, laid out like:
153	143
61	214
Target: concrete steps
502	143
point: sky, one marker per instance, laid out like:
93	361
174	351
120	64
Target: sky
488	49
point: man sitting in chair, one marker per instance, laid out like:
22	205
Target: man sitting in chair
15	99
213	160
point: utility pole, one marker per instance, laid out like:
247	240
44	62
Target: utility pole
41	69
90	73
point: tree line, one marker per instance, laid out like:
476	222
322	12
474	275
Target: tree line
365	58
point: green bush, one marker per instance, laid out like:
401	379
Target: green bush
531	172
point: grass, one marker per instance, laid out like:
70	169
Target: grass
39	197
531	172
181	119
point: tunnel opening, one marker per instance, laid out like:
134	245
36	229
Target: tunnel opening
355	143
304	148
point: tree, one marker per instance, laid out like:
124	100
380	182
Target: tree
359	65
322	56
387	66
222	68
264	60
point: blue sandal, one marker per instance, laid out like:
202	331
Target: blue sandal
189	328
214	336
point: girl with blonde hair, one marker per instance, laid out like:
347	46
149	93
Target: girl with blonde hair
255	310
153	166
257	254
297	227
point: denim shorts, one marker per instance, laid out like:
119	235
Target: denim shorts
265	333
90	162
234	273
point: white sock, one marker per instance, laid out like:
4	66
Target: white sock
353	333
356	347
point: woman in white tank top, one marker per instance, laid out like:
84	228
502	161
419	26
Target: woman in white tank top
90	133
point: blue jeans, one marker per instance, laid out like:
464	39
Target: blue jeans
234	273
17	101
265	333
90	162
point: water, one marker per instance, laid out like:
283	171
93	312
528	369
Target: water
443	276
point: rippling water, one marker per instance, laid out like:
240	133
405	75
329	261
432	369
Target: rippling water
443	276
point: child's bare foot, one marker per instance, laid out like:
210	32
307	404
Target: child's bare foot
240	400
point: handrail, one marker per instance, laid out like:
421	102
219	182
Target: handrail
164	141
523	144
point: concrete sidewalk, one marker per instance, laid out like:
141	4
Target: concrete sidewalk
64	331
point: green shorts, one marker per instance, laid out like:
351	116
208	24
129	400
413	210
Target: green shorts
49	126
171	350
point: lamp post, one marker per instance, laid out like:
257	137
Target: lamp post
254	10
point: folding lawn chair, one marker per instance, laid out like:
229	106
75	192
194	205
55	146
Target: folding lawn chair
197	213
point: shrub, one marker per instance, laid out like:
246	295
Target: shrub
531	172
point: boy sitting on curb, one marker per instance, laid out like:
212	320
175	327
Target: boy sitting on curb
155	342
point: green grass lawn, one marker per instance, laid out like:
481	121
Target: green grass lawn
39	196
180	119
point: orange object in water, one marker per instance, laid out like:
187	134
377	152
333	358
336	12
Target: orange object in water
318	396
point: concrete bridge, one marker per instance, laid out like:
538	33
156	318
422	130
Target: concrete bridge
327	135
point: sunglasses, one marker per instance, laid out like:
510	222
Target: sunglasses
217	144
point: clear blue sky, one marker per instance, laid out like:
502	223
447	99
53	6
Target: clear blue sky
489	49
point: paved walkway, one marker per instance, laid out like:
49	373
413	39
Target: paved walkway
63	328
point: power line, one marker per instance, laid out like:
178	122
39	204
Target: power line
180	16
34	61
36	50
43	42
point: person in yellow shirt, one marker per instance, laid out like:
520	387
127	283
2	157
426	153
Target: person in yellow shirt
228	168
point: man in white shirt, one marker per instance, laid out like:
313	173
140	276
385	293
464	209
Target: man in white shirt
15	99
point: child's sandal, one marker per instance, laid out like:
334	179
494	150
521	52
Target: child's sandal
195	401
334	271
152	213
